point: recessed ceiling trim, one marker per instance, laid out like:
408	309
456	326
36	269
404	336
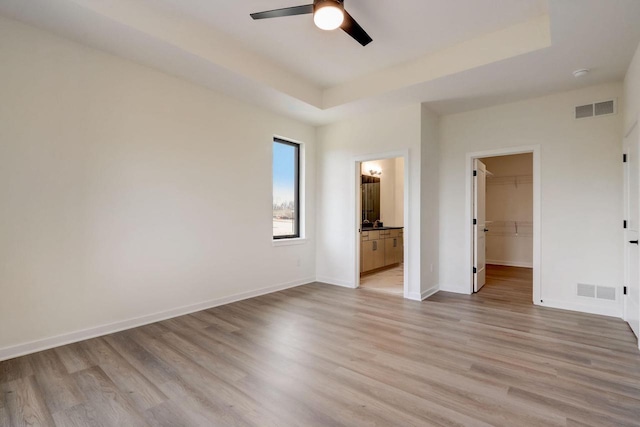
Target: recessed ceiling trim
507	43
198	39
199	42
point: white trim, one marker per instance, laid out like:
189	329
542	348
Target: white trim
611	311
509	263
537	232
355	201
289	242
110	328
414	296
426	294
335	282
456	289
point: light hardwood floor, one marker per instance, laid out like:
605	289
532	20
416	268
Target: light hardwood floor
389	281
322	355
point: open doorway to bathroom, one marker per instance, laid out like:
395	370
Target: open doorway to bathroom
381	191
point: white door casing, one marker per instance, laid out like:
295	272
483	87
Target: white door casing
479	224
632	211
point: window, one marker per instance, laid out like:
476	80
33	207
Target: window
286	189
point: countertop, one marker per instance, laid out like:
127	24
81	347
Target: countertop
380	228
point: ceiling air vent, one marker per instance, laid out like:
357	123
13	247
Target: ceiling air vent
596	109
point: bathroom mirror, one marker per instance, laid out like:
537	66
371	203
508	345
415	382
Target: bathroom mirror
370	198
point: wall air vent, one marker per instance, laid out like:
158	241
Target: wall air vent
586	290
584	111
603	108
593	291
605	292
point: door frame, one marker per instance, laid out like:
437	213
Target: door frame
470	157
480	274
357	196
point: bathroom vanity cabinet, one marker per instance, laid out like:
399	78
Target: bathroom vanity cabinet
381	248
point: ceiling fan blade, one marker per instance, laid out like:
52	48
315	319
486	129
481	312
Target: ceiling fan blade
351	27
287	11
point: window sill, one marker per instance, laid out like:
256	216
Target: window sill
290	242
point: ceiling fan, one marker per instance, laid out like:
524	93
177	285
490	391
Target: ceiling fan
327	15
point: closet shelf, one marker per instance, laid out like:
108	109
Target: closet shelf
515	180
510	228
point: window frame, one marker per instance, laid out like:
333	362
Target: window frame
297	181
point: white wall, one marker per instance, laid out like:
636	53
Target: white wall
631	99
430	201
340	145
126	192
581	191
509	198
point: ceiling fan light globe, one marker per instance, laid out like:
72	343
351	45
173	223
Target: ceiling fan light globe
328	16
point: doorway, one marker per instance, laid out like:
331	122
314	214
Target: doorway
381	219
504	211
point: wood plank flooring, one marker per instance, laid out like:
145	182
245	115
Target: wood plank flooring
319	355
389	281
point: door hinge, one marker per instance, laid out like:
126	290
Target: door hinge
624	290
624	224
624	158
475	270
475	221
475	173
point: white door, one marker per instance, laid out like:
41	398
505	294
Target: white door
479	224
632	251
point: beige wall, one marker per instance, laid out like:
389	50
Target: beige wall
127	193
581	191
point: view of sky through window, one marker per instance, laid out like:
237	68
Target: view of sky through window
284	188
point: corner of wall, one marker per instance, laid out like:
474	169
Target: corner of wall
429	200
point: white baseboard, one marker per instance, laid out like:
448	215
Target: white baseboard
413	296
335	282
457	289
421	296
608	310
84	334
510	263
426	294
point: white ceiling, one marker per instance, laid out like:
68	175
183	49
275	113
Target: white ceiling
454	55
401	31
